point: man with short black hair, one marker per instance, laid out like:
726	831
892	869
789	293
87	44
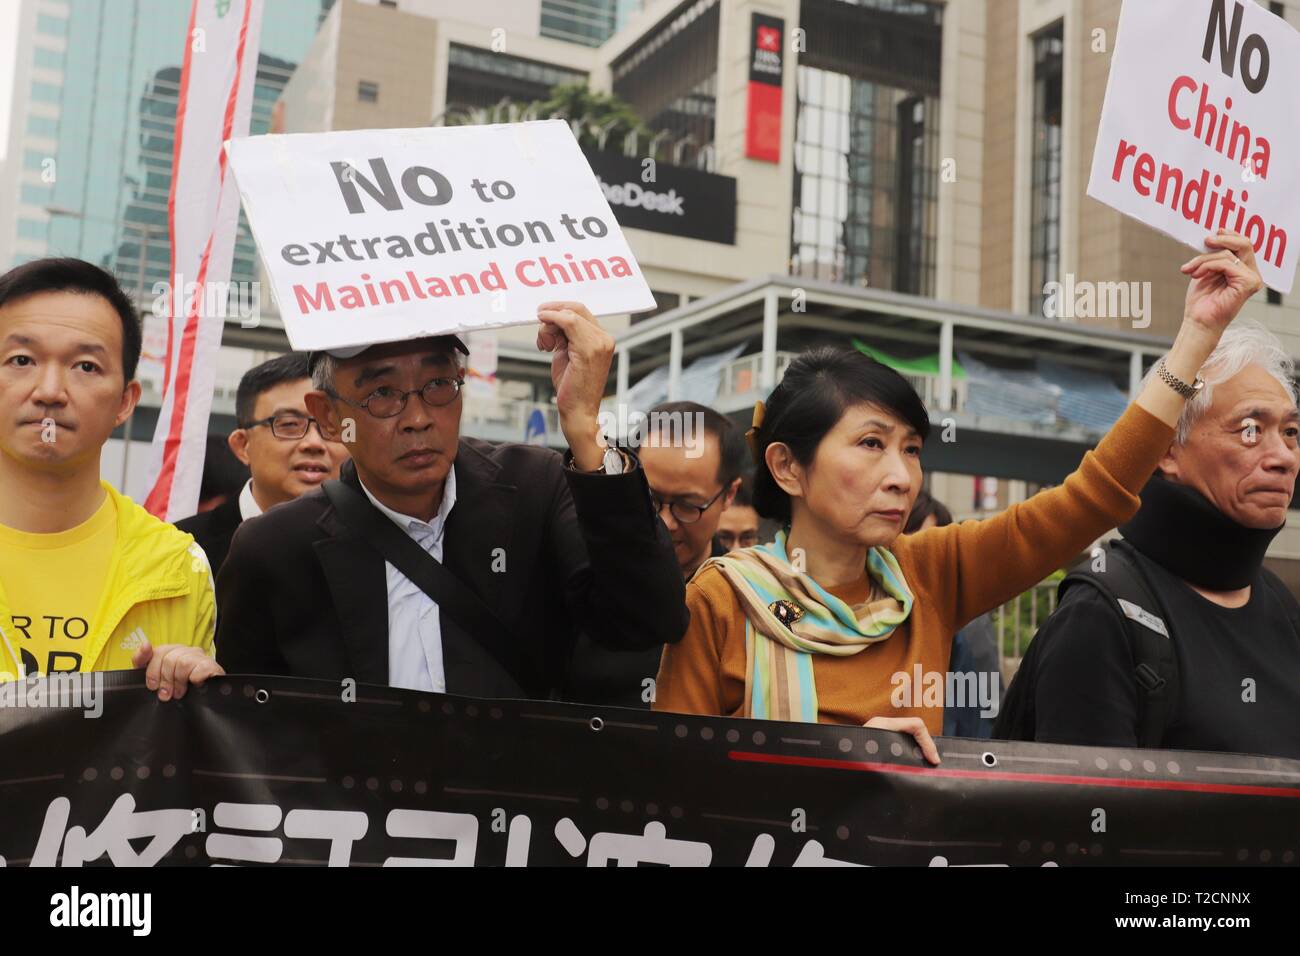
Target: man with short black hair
693	457
88	579
280	443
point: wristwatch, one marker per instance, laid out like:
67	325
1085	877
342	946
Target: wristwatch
614	463
1177	384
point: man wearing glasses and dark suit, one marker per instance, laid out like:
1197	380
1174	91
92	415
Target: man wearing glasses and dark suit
281	445
693	457
450	564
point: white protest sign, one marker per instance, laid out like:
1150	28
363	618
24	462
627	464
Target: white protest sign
382	235
1201	126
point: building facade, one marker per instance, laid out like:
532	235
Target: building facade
926	156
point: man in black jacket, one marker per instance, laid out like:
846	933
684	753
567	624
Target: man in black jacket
548	544
693	457
1226	625
281	445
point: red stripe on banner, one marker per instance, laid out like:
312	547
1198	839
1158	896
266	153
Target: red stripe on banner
171	193
868	766
159	499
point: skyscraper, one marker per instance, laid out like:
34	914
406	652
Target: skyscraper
589	22
93	124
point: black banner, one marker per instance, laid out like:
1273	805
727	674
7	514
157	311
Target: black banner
678	201
307	773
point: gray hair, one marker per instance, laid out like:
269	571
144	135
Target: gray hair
326	365
322	372
1246	342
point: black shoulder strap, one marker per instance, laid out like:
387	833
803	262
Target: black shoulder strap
1130	594
453	597
1283	593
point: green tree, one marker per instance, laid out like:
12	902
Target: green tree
603	120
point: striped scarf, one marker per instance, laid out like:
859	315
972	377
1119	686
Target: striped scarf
789	617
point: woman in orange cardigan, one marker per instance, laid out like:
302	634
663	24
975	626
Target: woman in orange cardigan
831	622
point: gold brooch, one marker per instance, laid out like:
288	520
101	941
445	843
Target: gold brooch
787	612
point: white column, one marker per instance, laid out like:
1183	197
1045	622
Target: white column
674	364
767	375
945	367
1134	374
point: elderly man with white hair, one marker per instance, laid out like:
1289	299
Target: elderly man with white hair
1184	640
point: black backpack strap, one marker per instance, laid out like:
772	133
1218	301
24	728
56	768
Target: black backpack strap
1130	594
453	597
1284	596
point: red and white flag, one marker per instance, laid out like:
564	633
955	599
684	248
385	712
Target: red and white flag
216	100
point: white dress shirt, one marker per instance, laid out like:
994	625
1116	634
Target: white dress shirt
414	624
248	506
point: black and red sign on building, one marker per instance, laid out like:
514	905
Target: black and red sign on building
766	65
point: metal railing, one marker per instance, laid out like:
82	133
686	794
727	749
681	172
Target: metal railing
1016	621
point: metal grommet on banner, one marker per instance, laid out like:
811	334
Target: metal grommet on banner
597	724
262	695
989	759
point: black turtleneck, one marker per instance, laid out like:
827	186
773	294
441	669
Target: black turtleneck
1180	530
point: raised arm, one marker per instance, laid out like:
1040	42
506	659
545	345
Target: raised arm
980	564
629	594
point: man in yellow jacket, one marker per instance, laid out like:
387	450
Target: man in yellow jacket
89	580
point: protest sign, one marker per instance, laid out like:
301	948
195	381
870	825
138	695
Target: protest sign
383	235
1200	130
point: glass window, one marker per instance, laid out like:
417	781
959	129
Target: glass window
34	160
590	22
45	92
47	59
1045	189
42	126
36	195
865	157
52	26
866	144
368	92
481	78
31	229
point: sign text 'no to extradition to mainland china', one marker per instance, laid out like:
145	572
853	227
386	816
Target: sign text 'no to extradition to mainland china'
381	235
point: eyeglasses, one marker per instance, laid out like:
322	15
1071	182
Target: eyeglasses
682	511
388	402
289	427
